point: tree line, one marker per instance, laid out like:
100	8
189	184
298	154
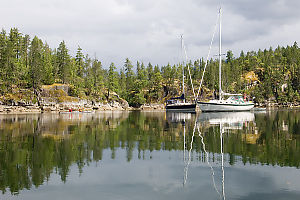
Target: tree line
27	63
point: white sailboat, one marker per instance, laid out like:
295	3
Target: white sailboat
235	102
178	104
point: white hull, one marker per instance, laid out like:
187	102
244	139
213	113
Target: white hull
223	107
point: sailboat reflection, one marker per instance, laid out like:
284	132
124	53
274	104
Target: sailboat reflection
187	160
176	117
226	121
229	120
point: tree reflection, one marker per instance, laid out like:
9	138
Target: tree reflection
32	147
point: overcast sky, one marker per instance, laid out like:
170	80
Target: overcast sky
149	30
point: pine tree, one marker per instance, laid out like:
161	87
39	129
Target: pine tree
150	77
98	77
112	84
10	66
142	76
79	62
36	62
48	69
122	84
157	84
63	61
129	74
88	76
3	60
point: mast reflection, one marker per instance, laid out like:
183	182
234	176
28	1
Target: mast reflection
225	121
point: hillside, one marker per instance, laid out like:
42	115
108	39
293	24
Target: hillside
27	64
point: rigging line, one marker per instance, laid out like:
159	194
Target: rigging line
189	156
186	60
211	42
207	159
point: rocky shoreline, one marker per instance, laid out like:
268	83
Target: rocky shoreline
6	109
66	106
88	106
45	105
56	98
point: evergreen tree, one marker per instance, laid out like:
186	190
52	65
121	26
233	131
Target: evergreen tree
229	56
79	62
36	62
47	66
112	84
88	76
122	83
3	60
63	61
157	84
142	76
129	74
10	66
98	77
150	75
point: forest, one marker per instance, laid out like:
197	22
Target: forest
28	63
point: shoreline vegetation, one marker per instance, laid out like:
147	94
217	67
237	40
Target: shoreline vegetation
36	78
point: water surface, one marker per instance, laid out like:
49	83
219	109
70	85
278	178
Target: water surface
150	155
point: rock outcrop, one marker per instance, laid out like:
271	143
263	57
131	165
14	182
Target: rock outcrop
149	107
55	98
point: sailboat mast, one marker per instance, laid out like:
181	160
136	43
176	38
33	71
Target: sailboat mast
220	55
222	162
182	49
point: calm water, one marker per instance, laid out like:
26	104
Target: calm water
150	155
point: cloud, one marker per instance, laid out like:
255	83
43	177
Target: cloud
150	30
278	11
